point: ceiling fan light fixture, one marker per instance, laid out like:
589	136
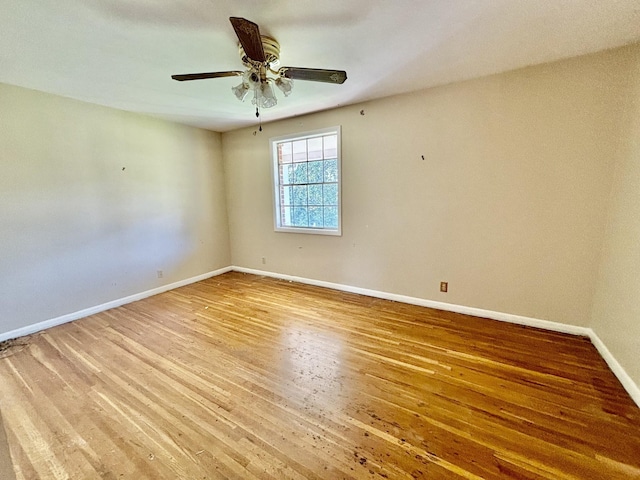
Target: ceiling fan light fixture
267	96
285	85
241	91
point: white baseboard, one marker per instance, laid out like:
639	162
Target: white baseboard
624	378
449	307
36	327
626	381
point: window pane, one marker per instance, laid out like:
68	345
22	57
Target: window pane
331	170
286	216
315	217
284	152
315	194
314	146
300	151
300	195
286	173
287	195
300	218
315	172
330	194
330	146
331	217
300	172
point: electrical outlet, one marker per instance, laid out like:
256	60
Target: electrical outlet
444	286
160	274
264	260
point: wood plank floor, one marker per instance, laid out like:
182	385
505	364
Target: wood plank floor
247	377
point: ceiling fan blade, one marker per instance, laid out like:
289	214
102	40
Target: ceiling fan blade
315	74
249	35
201	76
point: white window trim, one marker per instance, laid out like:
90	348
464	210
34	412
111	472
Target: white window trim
276	182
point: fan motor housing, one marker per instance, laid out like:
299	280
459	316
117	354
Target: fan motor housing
271	49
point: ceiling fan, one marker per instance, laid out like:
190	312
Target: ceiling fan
260	55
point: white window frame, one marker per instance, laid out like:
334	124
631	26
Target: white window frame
278	227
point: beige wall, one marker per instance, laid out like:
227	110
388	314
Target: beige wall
616	311
94	201
508	206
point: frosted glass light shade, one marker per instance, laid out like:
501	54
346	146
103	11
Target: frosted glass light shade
240	91
267	97
285	85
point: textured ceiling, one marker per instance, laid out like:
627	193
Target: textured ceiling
121	53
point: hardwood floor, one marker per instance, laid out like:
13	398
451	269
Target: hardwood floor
248	377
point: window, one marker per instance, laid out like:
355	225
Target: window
306	179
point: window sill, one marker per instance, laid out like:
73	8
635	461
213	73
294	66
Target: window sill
312	231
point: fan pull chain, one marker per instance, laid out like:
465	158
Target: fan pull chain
259	118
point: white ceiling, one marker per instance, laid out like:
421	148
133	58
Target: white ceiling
121	53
